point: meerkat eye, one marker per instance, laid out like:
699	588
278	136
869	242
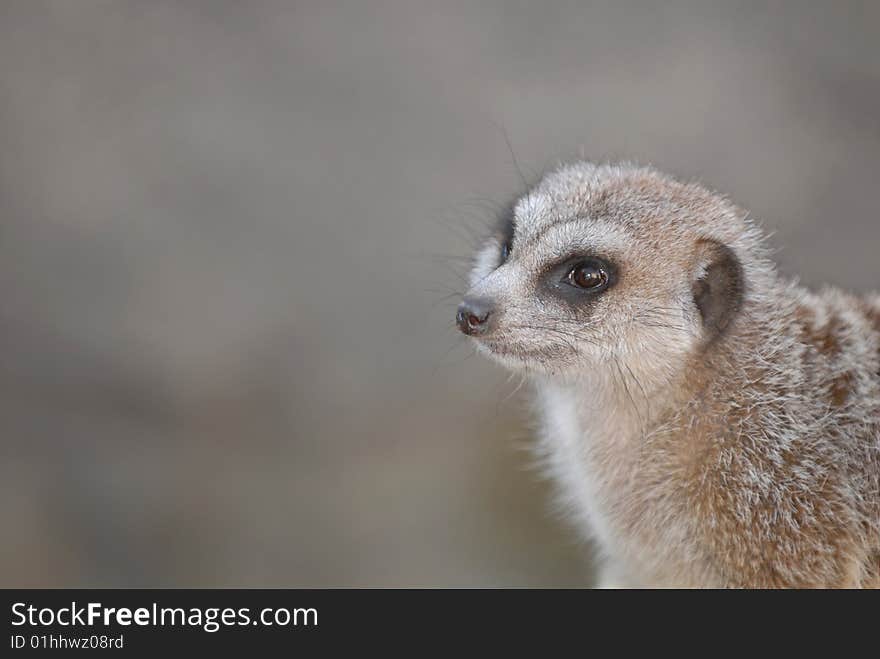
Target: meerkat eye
505	252
588	275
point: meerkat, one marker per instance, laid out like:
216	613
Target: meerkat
708	422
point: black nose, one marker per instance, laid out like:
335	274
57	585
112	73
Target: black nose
473	316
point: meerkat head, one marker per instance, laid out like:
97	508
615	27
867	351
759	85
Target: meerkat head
599	266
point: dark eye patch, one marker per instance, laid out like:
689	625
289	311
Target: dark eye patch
505	252
504	229
579	278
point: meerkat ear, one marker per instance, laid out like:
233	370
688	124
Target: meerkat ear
717	285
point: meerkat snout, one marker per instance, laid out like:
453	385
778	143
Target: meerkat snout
708	422
474	316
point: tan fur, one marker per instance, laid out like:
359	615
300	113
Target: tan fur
743	457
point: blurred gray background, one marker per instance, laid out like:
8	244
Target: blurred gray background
224	227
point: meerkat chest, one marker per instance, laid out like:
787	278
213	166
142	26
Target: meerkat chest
605	482
578	442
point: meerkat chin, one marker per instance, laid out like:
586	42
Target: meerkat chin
707	422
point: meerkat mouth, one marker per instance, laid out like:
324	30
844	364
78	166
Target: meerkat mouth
503	349
497	348
515	352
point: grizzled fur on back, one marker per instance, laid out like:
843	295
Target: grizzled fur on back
708	423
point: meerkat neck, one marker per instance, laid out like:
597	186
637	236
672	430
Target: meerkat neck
612	401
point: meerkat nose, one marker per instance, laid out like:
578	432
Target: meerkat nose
473	316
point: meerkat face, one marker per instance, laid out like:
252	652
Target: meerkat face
605	267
